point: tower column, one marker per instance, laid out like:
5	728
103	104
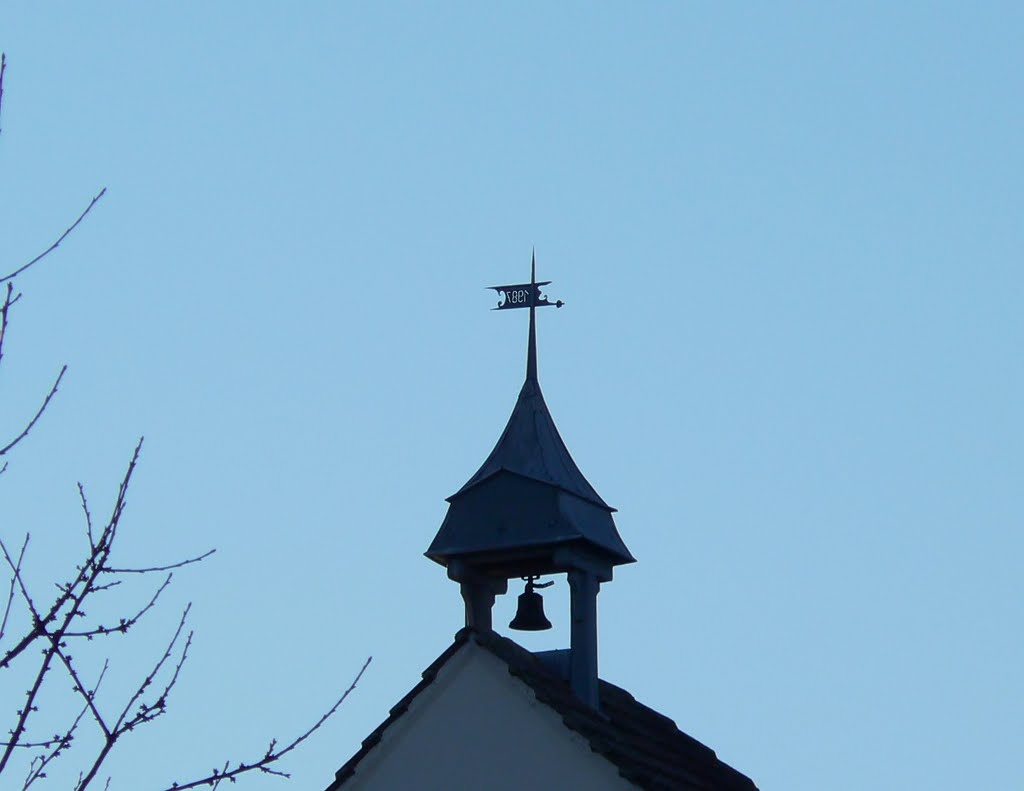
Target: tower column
583	590
478	593
479	601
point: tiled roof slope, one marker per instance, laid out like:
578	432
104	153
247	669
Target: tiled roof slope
647	747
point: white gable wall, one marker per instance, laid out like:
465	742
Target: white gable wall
478	727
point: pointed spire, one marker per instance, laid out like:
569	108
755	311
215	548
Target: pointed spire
531	353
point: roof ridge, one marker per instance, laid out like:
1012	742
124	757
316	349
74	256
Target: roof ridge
660	759
610	733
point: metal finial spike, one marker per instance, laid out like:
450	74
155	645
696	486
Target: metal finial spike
531	352
527	295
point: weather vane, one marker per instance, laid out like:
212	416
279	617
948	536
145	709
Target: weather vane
527	295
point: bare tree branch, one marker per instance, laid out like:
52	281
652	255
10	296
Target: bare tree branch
75	594
56	244
110	531
3	68
14	578
61	743
88	516
145	713
52	627
5	307
39	623
273	754
39	414
124	624
8	301
177	565
26	710
148	681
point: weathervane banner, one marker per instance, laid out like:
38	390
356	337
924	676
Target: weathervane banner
524	295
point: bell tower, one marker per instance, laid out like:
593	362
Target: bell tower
529	512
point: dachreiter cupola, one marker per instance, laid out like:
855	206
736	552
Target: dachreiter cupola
529	512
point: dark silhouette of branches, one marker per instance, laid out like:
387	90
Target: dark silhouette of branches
8	300
63	236
10	297
274	753
53	630
40	637
10	593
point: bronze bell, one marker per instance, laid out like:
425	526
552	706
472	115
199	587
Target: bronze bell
530	610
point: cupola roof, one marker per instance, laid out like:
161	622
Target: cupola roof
529	497
531	446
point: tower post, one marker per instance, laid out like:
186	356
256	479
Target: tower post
583	589
478	594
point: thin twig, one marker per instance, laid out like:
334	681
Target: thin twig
64	742
124	624
56	244
46	401
3	68
220	778
272	754
81	689
40	623
110	531
146	711
156	669
88	516
3	316
14	578
177	565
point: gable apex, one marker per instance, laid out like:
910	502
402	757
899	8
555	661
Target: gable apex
462	712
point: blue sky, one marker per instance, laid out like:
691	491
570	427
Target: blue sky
790	242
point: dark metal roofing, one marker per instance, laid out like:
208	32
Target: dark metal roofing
646	747
531	446
528	499
510	525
